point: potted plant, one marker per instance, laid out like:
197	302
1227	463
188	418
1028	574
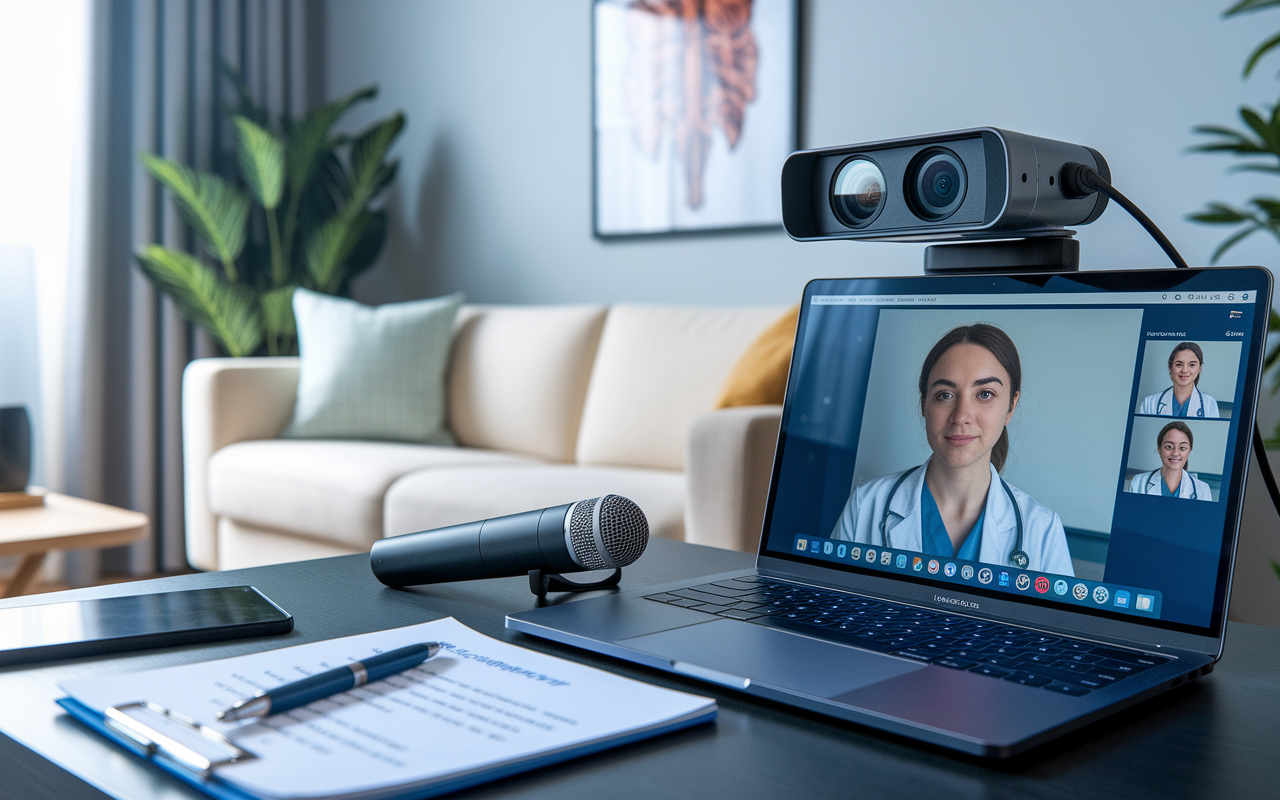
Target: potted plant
293	207
1259	145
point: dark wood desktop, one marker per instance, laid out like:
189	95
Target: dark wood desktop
1214	737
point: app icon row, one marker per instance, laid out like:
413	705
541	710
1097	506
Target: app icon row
1121	598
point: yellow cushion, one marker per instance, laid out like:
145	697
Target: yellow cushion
760	376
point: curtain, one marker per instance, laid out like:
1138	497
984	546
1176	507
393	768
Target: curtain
157	88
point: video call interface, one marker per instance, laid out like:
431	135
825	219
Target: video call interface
1063	444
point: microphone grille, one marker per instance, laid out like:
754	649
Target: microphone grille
623	532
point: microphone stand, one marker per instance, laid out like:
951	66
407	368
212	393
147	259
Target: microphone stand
542	582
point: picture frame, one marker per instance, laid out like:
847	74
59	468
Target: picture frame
662	165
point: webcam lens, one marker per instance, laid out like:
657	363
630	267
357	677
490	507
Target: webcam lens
858	192
936	184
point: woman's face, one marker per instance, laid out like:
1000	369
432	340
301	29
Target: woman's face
967	403
1185	369
1175	449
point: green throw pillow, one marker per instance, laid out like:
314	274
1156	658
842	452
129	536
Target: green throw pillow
372	372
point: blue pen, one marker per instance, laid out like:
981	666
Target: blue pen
327	684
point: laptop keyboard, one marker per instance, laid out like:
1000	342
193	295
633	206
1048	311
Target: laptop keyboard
1058	664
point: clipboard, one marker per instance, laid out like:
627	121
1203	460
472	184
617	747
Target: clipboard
588	710
152	732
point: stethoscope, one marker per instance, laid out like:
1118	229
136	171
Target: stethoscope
1017	556
1160	402
1151	482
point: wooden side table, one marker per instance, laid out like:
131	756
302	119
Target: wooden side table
63	523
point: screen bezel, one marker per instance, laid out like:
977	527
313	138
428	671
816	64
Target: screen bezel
1016	608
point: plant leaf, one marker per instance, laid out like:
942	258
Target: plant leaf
277	312
1259	52
261	162
1254	168
1233	240
213	208
1260	126
311	136
1249	5
1219	214
328	248
368	172
228	311
367	247
1269	206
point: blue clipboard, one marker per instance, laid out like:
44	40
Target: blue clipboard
147	731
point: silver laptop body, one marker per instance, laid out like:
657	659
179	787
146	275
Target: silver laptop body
1098	571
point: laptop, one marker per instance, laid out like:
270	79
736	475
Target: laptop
1002	507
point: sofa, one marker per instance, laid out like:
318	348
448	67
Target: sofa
548	405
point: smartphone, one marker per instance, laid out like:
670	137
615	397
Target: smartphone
136	622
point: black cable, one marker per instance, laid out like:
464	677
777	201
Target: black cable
1081	180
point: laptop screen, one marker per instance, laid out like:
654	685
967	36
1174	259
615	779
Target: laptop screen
1074	440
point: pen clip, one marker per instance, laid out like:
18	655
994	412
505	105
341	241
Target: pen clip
161	732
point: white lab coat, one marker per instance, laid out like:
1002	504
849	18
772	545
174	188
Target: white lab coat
1043	539
1189	487
1160	404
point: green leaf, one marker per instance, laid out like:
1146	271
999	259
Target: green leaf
1259	52
1249	5
368	246
311	136
1255	168
1260	126
1218	130
1233	240
1275	567
1269	206
1218	214
327	250
214	209
228	311
369	173
261	162
277	312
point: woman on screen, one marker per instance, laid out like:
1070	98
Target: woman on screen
1173	443
1183	398
956	505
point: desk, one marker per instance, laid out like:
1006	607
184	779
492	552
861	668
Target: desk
62	523
1214	737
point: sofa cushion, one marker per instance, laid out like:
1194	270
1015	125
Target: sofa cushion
432	498
518	376
372	373
658	367
327	490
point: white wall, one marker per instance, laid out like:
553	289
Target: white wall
498	91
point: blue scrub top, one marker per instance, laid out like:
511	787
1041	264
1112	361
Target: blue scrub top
933	533
1180	409
1164	487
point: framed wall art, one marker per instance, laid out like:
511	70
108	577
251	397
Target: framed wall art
694	110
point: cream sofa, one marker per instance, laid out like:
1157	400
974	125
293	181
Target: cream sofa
549	404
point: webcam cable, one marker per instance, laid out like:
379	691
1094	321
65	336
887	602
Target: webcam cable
1081	180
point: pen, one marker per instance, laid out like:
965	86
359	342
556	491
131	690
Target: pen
330	682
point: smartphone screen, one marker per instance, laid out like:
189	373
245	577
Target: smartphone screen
112	624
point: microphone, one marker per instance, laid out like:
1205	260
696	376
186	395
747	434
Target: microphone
606	532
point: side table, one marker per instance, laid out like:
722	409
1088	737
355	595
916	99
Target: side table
63	523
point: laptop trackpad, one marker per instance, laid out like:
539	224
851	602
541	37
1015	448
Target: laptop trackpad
769	656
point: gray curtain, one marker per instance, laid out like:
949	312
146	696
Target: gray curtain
157	87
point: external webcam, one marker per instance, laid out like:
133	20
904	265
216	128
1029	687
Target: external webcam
981	183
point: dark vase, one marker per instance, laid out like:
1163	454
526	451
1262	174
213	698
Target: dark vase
15	448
